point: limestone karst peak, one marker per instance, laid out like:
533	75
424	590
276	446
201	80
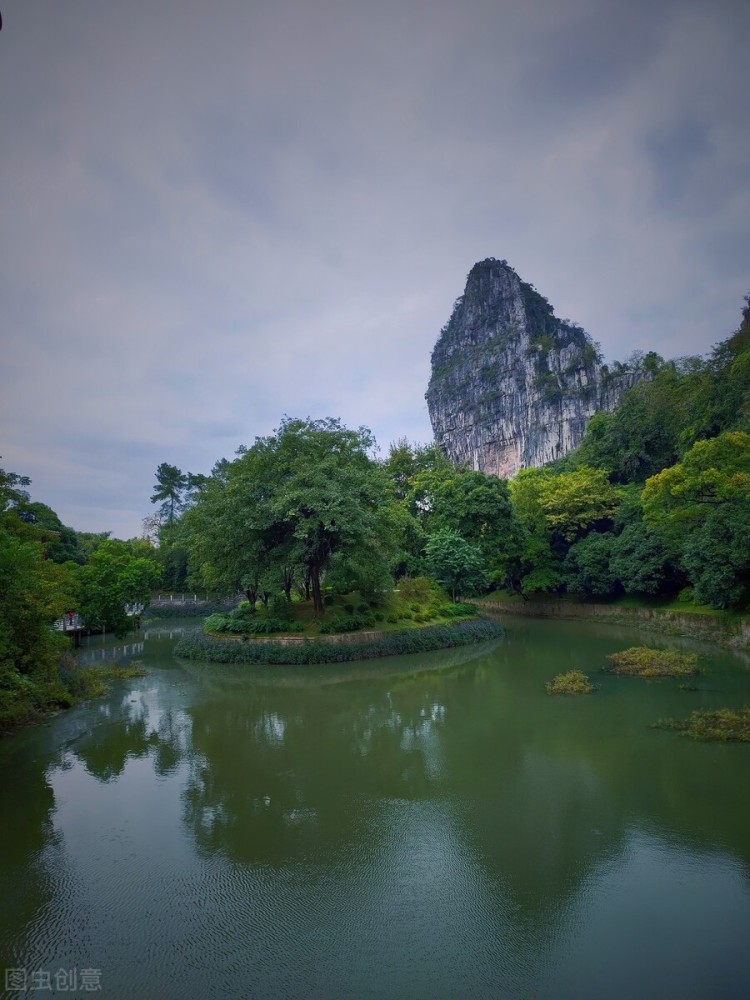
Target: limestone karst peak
512	385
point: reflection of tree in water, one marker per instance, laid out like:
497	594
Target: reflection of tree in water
302	772
27	811
137	730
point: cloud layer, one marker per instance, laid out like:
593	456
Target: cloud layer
215	214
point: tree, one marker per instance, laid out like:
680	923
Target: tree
308	495
571	502
454	563
717	557
112	578
701	506
712	473
61	543
642	434
171	484
13	492
588	566
407	461
35	591
555	509
474	505
643	562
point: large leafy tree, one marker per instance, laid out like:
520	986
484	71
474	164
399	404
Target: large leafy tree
701	506
474	505
717	557
308	496
34	591
406	461
114	577
556	509
711	474
455	563
221	532
588	566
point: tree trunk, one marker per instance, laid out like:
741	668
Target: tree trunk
288	581
251	593
307	584
316	594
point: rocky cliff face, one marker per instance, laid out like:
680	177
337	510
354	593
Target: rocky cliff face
513	386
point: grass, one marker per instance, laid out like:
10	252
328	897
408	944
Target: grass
642	661
573	682
720	725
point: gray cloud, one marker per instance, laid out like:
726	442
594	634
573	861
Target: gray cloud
216	214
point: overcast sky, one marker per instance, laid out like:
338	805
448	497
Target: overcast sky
213	214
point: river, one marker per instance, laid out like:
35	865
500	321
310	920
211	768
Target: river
426	826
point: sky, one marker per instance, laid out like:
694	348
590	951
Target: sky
216	214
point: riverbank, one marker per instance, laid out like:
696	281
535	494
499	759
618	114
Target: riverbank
731	631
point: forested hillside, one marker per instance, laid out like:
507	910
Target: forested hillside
656	499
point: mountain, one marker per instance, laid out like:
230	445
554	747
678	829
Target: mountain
512	385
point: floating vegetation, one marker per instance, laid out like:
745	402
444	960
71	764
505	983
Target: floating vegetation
720	725
573	682
120	671
642	661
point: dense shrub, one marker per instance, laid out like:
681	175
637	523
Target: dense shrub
196	646
457	610
346	623
281	608
255	625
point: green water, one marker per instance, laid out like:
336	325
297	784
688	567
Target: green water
425	826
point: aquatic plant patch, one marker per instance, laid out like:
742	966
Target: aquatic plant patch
642	661
572	682
721	725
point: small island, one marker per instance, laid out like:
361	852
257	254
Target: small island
416	616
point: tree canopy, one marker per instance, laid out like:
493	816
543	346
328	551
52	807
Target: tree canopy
308	498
